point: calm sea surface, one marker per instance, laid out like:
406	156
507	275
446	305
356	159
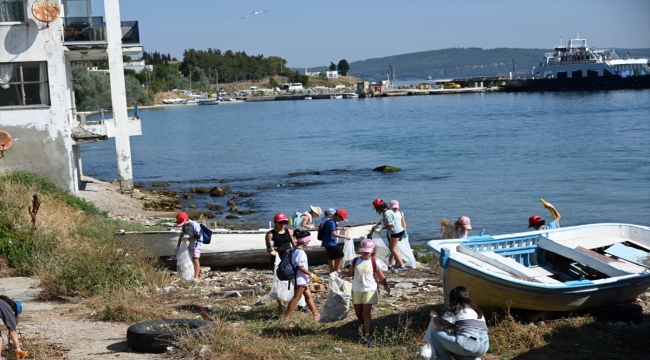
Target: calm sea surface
488	156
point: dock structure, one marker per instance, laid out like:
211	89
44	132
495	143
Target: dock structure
380	94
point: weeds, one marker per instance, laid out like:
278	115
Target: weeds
73	250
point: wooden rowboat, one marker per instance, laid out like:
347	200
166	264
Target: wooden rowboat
565	269
245	248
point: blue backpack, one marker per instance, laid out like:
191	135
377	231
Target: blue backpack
206	234
286	270
297	219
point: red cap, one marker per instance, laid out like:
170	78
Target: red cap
534	220
181	218
377	202
342	213
280	217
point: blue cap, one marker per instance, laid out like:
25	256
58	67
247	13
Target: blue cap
19	307
330	211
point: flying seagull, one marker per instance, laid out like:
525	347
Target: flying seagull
254	13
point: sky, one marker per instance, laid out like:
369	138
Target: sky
311	33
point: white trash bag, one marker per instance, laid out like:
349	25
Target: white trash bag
427	351
382	252
280	290
404	248
338	301
348	250
184	266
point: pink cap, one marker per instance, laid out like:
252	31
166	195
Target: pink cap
464	220
394	204
367	246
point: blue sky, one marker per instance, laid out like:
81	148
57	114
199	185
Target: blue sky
314	32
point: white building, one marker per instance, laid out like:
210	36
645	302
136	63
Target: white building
37	109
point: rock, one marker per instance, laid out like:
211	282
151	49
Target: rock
404	285
298	173
231	202
339	169
386	169
205	269
214	207
192	206
233	209
195	214
188	196
263	187
205	352
338	350
223	181
232	217
246	194
160	184
406	297
246	212
218	192
201	190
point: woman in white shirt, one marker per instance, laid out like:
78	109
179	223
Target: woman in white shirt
470	337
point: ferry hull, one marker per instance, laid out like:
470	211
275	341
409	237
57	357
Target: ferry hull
613	82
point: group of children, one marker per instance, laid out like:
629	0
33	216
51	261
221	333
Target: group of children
365	276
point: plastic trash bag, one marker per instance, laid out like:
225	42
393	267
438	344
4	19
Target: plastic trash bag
280	290
427	351
184	266
404	249
348	250
338	301
382	252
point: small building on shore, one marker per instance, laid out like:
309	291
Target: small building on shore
39	41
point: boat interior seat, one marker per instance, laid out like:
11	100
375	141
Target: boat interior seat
582	255
510	265
592	242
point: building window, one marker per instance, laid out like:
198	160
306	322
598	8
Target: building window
12	11
24	84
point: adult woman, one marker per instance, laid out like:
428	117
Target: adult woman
470	339
279	240
393	225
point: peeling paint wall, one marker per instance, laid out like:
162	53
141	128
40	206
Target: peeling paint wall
42	140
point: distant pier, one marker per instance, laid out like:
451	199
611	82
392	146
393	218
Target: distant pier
383	93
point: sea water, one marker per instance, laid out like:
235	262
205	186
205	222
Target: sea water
488	156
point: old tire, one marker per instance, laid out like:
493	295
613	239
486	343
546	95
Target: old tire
156	335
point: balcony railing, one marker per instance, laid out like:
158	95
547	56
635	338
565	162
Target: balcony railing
93	29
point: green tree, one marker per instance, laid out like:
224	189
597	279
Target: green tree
332	66
322	75
344	67
273	83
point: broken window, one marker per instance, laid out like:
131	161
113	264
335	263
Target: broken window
23	84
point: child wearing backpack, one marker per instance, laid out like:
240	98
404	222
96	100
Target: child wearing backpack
9	311
302	275
364	273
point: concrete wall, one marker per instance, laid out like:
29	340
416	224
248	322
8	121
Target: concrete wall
41	135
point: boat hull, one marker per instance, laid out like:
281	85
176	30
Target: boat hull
493	293
614	82
230	248
493	289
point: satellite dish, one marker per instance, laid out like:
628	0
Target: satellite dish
46	10
5	140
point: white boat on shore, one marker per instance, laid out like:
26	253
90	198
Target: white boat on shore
565	269
350	95
336	96
230	248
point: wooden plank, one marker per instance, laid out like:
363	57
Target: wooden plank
598	256
580	257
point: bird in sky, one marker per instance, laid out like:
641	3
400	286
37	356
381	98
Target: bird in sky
254	13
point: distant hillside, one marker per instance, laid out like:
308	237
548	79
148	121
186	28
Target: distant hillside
455	62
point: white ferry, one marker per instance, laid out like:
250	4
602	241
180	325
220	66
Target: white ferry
577	67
